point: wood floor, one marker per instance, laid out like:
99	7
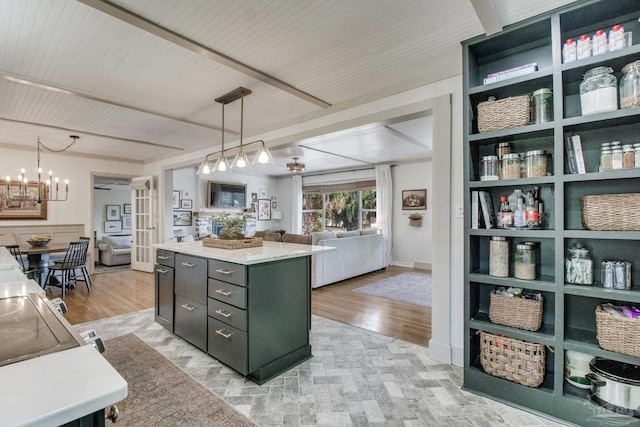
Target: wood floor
126	291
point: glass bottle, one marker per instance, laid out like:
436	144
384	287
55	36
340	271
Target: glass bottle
539	204
598	91
525	262
489	168
578	266
505	216
530	212
519	215
630	85
499	257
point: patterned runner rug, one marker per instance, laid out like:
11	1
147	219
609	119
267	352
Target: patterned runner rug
411	287
160	394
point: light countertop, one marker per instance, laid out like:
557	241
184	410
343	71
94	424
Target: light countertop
270	251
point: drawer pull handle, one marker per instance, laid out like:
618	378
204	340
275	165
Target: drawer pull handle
225	272
188	307
221	333
189	264
223	292
223	313
162	257
161	271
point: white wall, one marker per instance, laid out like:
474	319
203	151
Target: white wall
186	181
102	198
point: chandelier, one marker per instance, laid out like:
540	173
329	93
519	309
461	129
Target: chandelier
47	190
295	167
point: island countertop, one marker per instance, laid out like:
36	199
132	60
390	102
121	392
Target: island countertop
270	251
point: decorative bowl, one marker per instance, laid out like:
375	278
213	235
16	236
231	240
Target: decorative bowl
39	243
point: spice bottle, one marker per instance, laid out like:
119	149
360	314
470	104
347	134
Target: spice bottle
578	266
583	47
525	261
605	159
599	43
636	152
628	156
569	51
499	257
616	158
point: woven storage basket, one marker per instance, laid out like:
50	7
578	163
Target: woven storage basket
232	243
517	312
504	113
618	334
514	360
614	212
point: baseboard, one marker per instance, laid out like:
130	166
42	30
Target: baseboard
457	356
440	352
399	263
422	265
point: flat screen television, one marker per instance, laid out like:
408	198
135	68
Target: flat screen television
226	195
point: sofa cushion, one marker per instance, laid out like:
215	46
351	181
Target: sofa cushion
317	236
302	239
341	234
368	231
118	242
124	251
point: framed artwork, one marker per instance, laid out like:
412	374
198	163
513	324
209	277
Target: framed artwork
254	197
264	210
112	227
13	208
186	194
263	193
127	208
182	218
186	203
274	204
414	199
176	199
126	222
113	213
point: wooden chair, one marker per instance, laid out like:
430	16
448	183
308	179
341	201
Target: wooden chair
30	273
74	259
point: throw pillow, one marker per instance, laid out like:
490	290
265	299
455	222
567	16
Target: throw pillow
342	234
316	236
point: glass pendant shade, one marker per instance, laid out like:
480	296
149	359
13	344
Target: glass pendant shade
264	157
241	161
222	165
204	168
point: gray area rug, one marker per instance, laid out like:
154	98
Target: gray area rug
411	287
108	269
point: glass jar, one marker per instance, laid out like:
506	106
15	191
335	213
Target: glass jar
503	148
605	159
630	85
636	154
598	91
489	168
578	266
510	166
536	164
499	257
616	158
628	156
542	106
524	262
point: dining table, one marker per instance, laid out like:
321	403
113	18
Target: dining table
38	258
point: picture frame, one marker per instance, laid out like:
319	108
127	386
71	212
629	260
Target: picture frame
113	227
113	213
414	200
274	205
186	204
126	221
182	218
264	210
126	208
176	199
186	194
254	197
263	193
12	209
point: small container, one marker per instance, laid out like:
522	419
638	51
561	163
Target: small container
636	154
536	164
542	106
525	261
510	166
578	266
605	160
628	156
599	43
503	148
499	257
616	158
583	47
576	368
630	85
598	91
616	38
622	275
569	51
489	168
607	274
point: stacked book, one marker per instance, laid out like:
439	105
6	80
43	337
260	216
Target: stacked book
511	73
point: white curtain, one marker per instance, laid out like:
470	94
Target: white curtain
296	204
384	205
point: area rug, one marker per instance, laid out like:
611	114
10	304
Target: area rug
108	269
411	287
160	394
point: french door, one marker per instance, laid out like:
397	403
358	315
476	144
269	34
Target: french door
144	204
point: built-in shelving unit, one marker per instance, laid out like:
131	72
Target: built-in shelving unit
569	310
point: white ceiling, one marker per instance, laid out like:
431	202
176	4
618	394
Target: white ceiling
137	79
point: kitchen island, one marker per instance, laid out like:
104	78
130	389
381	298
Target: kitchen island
248	308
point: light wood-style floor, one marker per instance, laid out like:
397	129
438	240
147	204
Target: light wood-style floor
126	291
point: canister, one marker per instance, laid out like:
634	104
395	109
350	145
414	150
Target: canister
525	261
499	256
542	106
576	368
598	91
503	148
536	164
489	168
510	166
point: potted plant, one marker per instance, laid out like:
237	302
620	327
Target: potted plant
231	224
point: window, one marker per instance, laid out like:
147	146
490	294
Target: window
338	210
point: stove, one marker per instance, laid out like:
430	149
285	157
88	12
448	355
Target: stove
30	327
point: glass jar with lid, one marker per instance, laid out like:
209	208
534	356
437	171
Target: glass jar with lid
536	164
524	262
542	106
499	256
599	91
630	85
489	168
510	166
578	266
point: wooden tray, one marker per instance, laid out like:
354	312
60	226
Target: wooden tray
232	243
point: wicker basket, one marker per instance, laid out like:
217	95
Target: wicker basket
504	113
415	222
613	212
618	334
514	360
516	312
232	243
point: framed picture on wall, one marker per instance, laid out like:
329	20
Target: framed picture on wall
13	208
126	222
182	218
264	210
414	199
176	199
263	193
254	197
127	208
186	203
274	204
113	213
113	227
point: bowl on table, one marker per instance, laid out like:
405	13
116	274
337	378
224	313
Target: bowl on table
38	243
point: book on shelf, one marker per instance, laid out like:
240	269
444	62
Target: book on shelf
570	154
475	210
511	73
487	210
577	149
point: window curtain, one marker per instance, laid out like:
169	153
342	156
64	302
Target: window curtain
296	205
384	205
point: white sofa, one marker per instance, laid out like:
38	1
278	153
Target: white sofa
355	254
115	250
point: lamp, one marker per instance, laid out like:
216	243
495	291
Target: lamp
241	161
263	156
52	193
295	167
222	165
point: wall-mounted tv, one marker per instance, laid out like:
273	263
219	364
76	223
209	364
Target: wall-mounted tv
226	195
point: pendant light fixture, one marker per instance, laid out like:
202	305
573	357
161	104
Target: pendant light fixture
241	161
295	167
222	165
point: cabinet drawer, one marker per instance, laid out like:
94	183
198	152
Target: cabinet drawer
164	257
228	314
191	278
228	345
164	296
190	322
226	292
227	272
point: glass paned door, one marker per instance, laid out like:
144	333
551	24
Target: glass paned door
143	224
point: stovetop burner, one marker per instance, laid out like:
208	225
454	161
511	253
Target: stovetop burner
30	328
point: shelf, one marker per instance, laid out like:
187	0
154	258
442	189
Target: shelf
512	182
572	71
545	335
595	291
609	119
629	173
511	132
524	233
605	235
586	342
526	83
544	283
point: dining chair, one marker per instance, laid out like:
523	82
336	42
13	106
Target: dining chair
31	273
83	267
73	260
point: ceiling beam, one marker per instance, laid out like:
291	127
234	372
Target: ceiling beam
144	24
488	16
